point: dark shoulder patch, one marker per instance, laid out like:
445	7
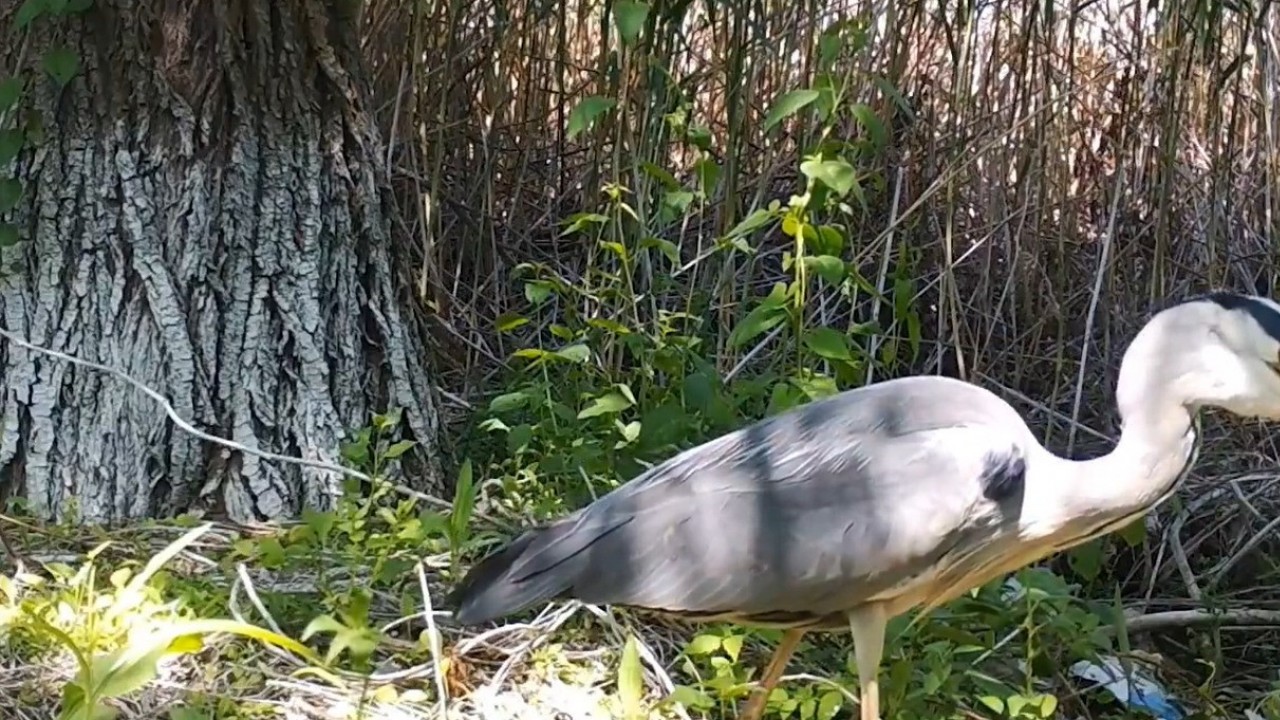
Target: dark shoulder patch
1004	476
1266	316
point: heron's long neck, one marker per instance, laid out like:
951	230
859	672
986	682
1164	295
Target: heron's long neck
1156	445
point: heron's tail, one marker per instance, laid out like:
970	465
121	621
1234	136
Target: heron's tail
513	578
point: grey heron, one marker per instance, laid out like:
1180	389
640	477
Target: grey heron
904	494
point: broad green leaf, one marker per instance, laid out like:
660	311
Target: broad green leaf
752	222
708	176
630	679
787	105
1086	559
507	322
993	702
585	114
732	646
464	499
703	645
575	353
321	523
398	449
28	13
666	247
827	343
763	318
815	386
1134	533
661	175
605	404
62	64
678	200
830	705
612	326
699	136
835	174
580	221
1048	705
629	17
691	698
10	194
10	91
537	291
830	240
871	122
509	401
827	267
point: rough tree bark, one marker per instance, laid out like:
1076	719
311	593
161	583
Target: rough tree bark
207	213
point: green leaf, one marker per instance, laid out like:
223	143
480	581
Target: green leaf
580	221
10	145
993	702
661	175
763	318
692	698
787	105
605	404
708	176
871	122
830	240
1048	705
320	523
398	449
630	679
28	13
666	247
10	194
508	402
827	343
732	646
10	91
509	321
582	117
835	174
829	705
537	291
703	645
629	17
61	64
1134	534
827	267
1086	559
575	353
755	220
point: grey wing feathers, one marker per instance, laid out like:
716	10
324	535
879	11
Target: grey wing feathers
806	513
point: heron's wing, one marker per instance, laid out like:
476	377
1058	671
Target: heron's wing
810	511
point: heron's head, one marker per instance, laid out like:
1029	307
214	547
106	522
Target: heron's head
1220	350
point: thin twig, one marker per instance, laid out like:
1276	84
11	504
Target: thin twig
266	455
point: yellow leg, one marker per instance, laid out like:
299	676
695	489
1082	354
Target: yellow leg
772	673
867	625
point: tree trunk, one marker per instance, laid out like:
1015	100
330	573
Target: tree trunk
207	212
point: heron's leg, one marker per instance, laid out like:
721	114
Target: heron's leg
772	673
867	625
